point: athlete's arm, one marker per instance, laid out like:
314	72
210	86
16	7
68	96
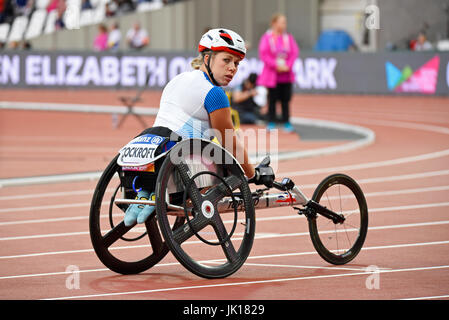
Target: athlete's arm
221	121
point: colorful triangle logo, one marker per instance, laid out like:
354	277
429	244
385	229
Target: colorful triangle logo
424	80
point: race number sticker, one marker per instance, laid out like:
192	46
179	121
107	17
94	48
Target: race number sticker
140	151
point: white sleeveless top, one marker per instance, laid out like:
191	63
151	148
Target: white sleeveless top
186	102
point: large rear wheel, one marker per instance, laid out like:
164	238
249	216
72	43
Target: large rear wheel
125	250
205	174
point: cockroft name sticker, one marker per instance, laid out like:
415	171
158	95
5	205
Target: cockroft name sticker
140	151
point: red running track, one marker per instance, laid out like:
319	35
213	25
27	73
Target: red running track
404	175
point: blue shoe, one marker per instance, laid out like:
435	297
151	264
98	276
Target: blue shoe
147	211
288	127
271	126
134	210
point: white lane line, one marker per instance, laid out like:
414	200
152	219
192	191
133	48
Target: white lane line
420	175
427	156
402	177
89	176
31	151
257	236
72	107
84	204
247	283
47	207
369	137
48	194
277	255
427	298
275	218
375	164
59	178
439	118
306	267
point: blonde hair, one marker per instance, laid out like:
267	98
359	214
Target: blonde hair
199	60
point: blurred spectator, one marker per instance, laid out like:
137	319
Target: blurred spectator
53	5
137	38
243	100
114	38
335	40
26	45
422	44
60	6
23	7
6	11
14	45
111	9
3	4
124	6
278	51
85	5
101	40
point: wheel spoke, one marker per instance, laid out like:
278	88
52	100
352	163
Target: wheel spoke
154	235
221	190
114	234
184	232
222	234
193	192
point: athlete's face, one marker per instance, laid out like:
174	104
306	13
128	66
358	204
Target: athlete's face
224	65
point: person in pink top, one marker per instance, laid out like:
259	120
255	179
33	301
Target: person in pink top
101	40
278	50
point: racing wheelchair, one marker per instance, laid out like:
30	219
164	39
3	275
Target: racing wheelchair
205	210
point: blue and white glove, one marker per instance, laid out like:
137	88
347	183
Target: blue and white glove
139	212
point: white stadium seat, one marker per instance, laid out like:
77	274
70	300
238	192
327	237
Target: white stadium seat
42	4
51	20
95	3
149	6
18	28
72	14
86	17
443	45
99	13
4	31
36	25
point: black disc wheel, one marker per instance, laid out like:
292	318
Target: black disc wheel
125	250
339	243
199	177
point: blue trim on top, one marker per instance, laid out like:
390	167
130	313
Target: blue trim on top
208	79
216	99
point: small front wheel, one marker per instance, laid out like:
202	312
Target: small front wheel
339	243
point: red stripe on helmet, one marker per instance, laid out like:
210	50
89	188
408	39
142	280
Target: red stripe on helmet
230	50
227	49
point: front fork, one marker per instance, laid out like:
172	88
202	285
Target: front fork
310	207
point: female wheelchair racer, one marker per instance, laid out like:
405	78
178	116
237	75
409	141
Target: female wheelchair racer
175	171
194	102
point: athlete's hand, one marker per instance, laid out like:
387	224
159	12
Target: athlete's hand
264	174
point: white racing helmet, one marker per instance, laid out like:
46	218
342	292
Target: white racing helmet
223	40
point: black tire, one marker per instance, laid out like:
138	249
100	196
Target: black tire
101	218
339	243
176	238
